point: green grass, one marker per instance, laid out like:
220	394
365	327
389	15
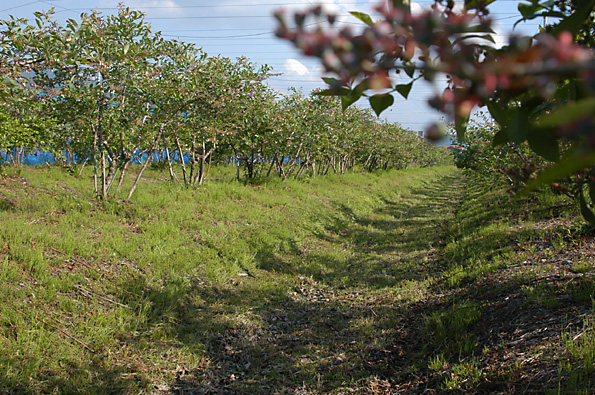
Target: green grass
580	365
124	296
359	283
508	272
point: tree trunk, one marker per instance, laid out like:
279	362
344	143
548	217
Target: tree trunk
95	183
201	170
295	159
280	167
103	164
272	164
210	155
172	175
181	153
151	151
192	160
368	160
111	173
124	167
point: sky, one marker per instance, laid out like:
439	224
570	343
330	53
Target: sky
234	28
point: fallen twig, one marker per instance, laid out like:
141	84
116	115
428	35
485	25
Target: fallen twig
85	291
61	331
95	230
66	334
288	269
73	257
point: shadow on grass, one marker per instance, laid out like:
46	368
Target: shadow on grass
271	341
328	334
323	333
319	332
106	379
394	244
338	322
6	205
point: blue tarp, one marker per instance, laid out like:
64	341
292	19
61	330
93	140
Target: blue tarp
30	159
38	157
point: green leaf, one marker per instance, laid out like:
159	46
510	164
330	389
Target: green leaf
553	14
126	48
409	68
362	17
380	103
11	82
568	164
331	92
574	22
402	4
478	29
348	100
332	81
585	210
539	15
498	113
360	88
567	91
487	37
477	4
500	138
529	9
404	89
518	125
72	24
567	113
544	144
350	96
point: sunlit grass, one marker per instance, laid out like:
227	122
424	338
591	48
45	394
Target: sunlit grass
309	285
115	296
580	346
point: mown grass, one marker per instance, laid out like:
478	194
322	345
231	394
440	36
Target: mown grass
516	285
162	292
390	282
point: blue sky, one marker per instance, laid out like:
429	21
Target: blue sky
234	28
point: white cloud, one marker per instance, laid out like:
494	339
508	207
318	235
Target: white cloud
163	7
501	36
328	6
333	7
416	8
294	66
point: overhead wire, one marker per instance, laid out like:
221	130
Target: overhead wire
243	5
20	6
256	38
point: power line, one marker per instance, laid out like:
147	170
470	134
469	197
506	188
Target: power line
255	34
177	7
20	6
209	17
513	15
259	29
213	6
64	9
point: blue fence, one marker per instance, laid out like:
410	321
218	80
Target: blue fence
38	157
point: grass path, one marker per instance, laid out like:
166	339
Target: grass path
292	287
407	281
349	318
